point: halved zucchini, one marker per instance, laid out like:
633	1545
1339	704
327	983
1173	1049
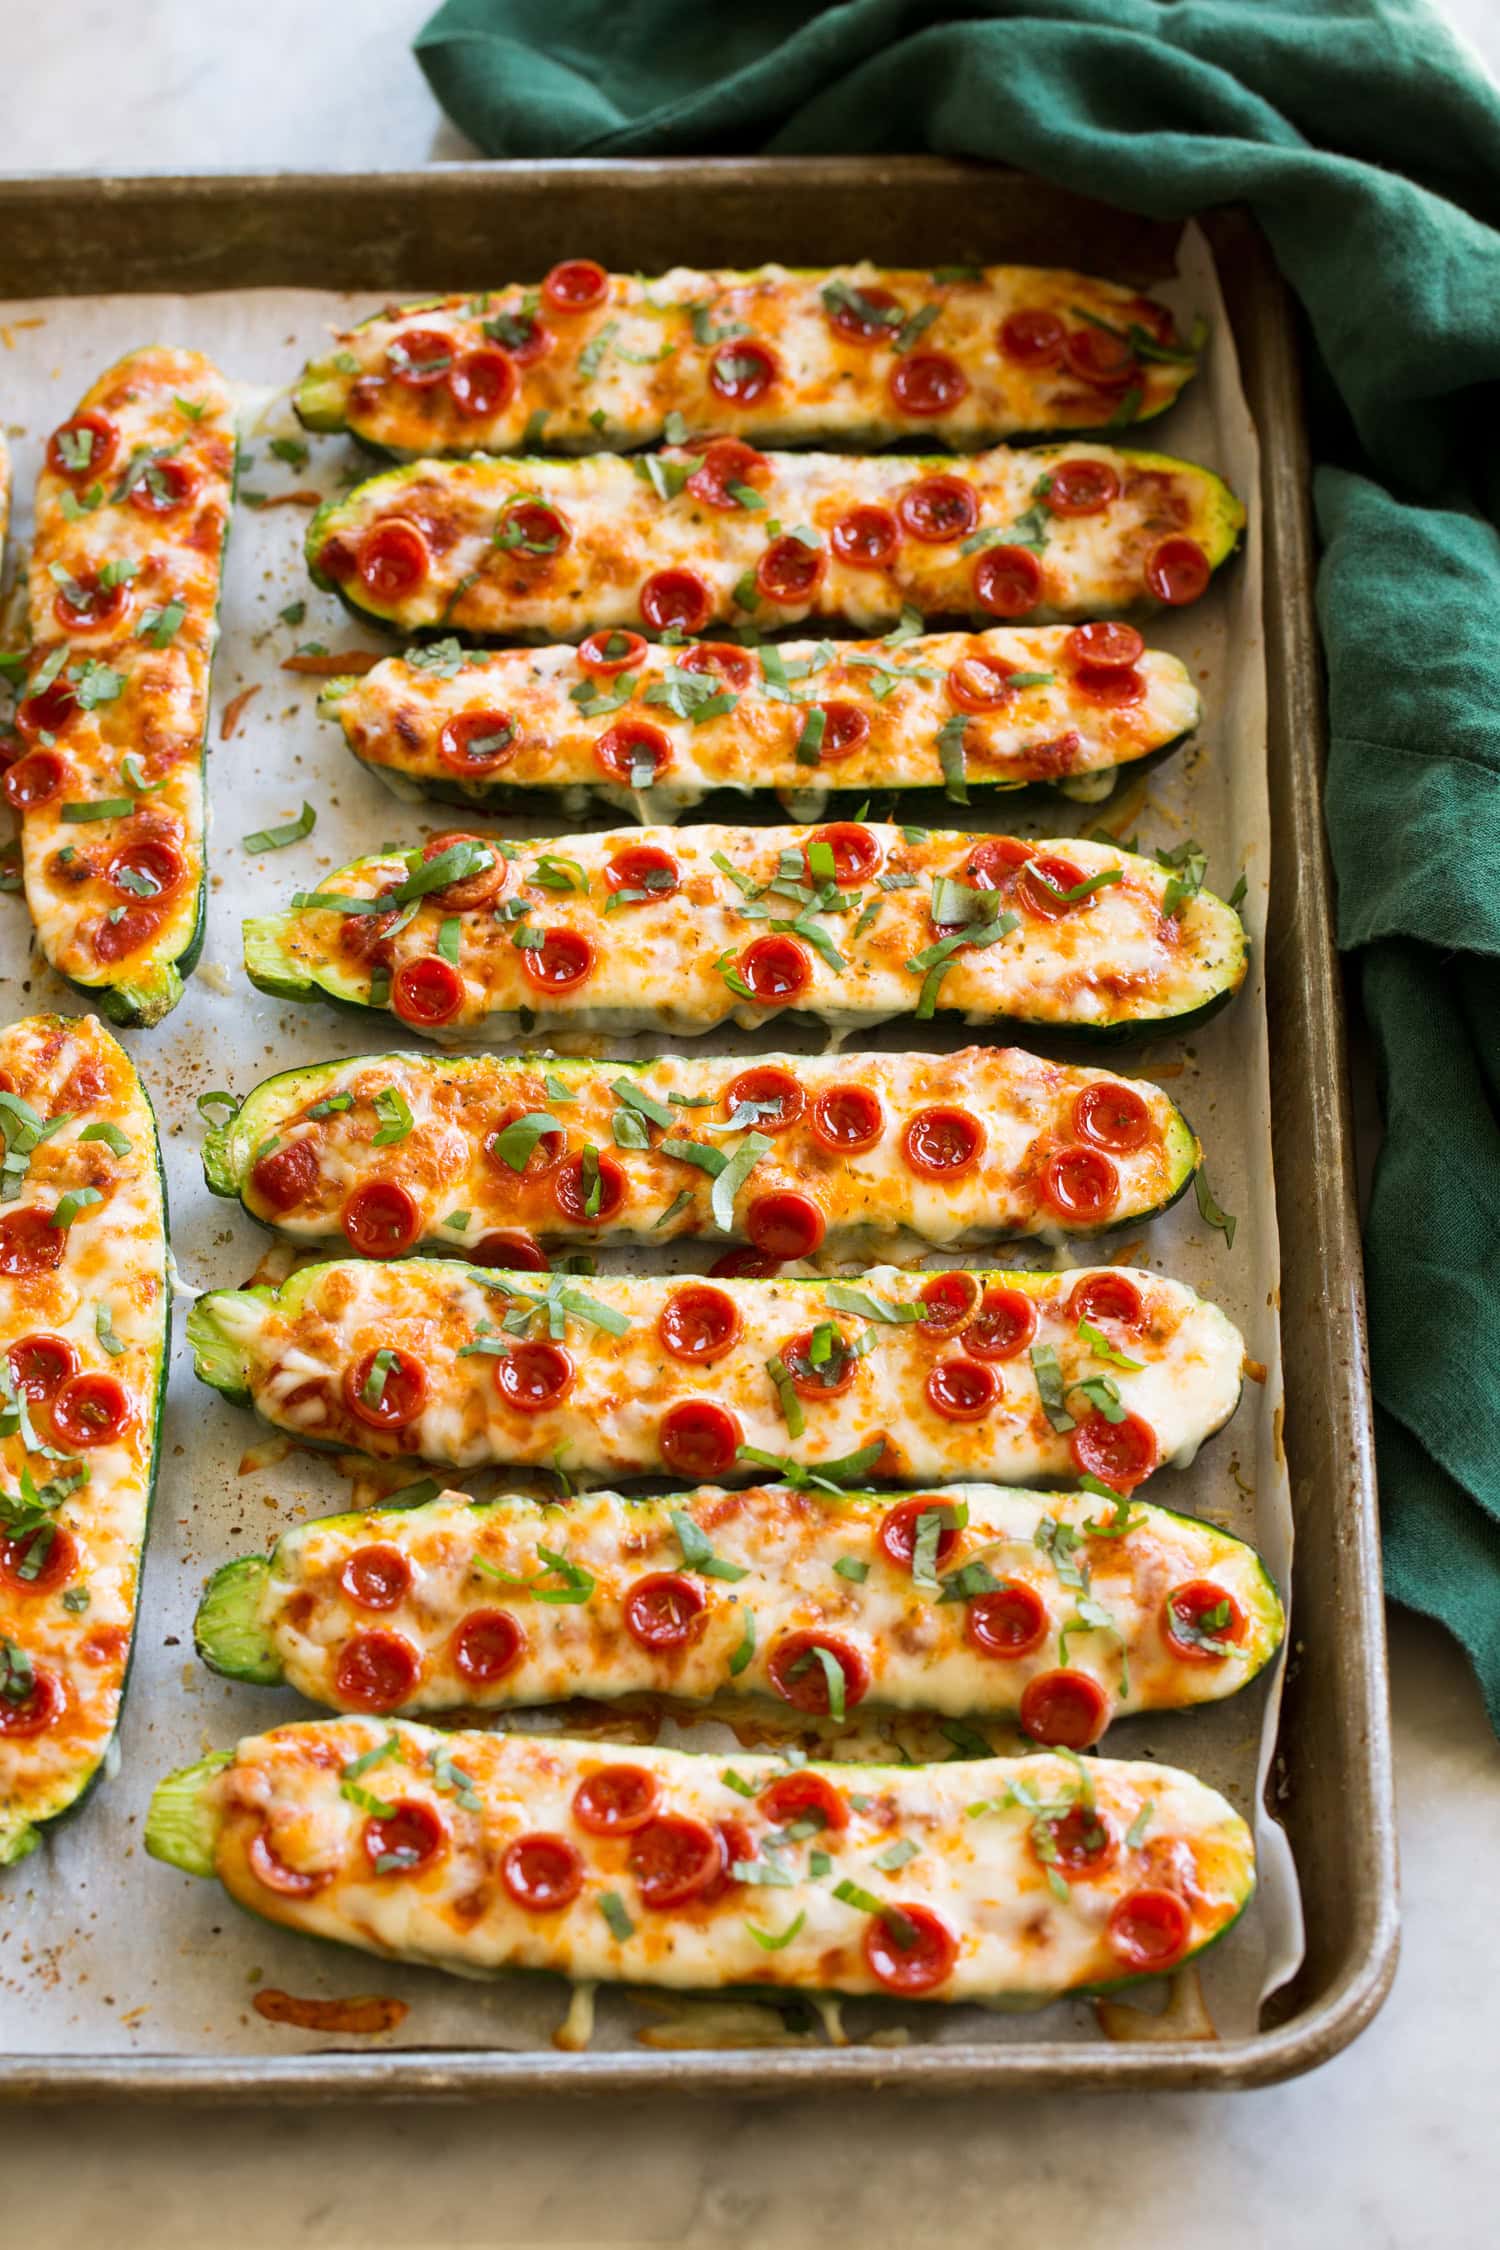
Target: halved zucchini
964	1604
981	1879
476	1143
863	354
662	728
900	1376
132	510
84	1307
686	930
546	549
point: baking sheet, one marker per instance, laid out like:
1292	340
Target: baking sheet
103	1951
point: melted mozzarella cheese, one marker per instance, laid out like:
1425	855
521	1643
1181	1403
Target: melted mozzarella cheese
294	1351
976	1863
619	533
1061	722
612	375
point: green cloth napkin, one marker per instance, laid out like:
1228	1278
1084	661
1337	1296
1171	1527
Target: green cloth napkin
1369	149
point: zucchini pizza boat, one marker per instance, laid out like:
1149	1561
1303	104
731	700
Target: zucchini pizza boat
906	1377
721	534
84	1308
131	514
654	729
482	1154
964	1602
862	354
685	930
978	1879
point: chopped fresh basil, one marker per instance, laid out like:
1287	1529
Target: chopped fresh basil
1209	1212
117	1142
1101	1347
746	1648
697	1550
396	1120
515	1142
732	1178
774	1944
104	1329
612	1907
1049	1383
850	1567
277	839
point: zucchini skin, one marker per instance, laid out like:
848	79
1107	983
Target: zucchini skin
1009	1092
668	964
22	1823
515	1784
620	532
785	1546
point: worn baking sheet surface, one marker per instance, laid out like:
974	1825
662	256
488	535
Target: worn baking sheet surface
102	1951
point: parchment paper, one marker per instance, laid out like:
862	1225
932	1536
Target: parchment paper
101	1949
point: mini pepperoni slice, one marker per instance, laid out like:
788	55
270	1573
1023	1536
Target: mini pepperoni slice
1003	1327
29	1243
532	532
419	358
576	286
1106	1296
947	1301
1112	687
122	933
633	753
1081	488
744	1265
909	1949
380	1220
737	1846
676	600
1199	1621
856	854
90	1409
426	991
1066	1710
405	1840
40	1365
662	1611
743	371
544	1155
149	861
799	1674
1081	1184
377	1577
862	311
1149	1931
84	604
489	881
1007	581
35	780
1121	1454
900	1527
785	1225
590	1191
846	728
83	448
1043	887
928	383
386	1388
1083	1843
698	1440
514	1252
611	650
962	1390
1106	646
542	1873
376	1672
38	1561
393	560
994	864
698	1323
1009	1621
1177	572
673	1859
523	337
47	711
43	1704
534	1377
866	538
819	1378
775	970
488	1644
728	470
273	1873
615	1800
482	383
165	487
847	1119
561	963
1032	336
643	873
804	1796
790	572
938	510
1101	357
943	1143
981	684
774	1092
719	660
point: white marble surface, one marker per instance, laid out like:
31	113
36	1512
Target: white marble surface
1392	2144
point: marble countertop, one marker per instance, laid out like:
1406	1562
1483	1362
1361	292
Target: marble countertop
1393	2143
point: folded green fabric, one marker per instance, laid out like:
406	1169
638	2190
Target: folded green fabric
1369	149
